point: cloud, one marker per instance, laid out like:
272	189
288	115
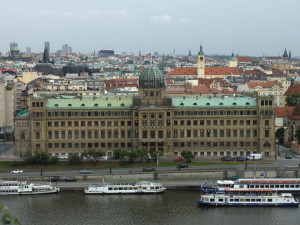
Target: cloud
164	18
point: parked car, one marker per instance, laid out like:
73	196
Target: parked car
254	156
103	157
16	171
70	179
148	169
54	179
240	159
178	159
287	156
227	158
85	171
63	157
182	166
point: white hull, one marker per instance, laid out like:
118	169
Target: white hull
138	188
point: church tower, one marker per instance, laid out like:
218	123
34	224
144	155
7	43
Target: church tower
201	64
190	55
232	61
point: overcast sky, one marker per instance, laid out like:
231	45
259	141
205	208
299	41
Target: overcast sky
249	27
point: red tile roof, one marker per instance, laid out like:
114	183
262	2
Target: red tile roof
263	84
296	113
284	111
293	90
208	71
244	59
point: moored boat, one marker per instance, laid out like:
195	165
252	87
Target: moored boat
281	185
24	188
247	197
143	187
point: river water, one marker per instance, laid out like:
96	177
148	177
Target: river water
171	208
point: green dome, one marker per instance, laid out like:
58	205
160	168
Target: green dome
151	77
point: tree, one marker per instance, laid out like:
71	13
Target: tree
141	153
120	153
39	157
187	155
154	155
6	217
292	100
280	135
132	156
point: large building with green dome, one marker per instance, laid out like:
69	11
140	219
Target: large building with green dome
209	126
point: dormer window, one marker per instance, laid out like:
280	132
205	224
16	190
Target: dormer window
83	105
208	103
221	103
56	105
195	103
247	103
234	103
96	105
69	105
109	105
122	104
181	104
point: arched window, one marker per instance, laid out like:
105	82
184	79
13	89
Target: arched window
234	103
122	104
109	105
96	105
221	103
247	103
181	104
83	105
195	103
267	145
69	105
56	105
208	103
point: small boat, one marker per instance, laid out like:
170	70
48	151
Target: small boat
24	188
247	197
281	185
143	187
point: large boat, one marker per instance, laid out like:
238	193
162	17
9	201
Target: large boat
281	185
24	188
143	187
247	197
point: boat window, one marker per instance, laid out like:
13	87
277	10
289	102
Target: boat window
292	186
258	200
287	186
247	200
297	186
221	200
263	200
236	200
120	188
251	186
269	200
276	186
252	200
271	186
256	186
211	200
231	200
130	188
282	186
110	189
267	186
262	186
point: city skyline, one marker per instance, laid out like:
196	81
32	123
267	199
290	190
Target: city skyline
247	28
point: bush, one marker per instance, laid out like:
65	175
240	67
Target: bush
53	160
74	159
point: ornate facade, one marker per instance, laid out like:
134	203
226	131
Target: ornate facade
208	126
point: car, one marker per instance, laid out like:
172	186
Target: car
16	171
227	158
287	156
148	169
240	159
54	179
70	179
182	166
63	157
178	159
85	171
103	157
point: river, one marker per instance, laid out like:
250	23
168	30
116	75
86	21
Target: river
171	208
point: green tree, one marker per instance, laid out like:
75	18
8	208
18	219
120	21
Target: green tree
120	153
6	217
280	135
39	157
132	155
141	153
154	155
187	155
292	100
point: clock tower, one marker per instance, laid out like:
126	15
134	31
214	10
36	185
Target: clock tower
201	64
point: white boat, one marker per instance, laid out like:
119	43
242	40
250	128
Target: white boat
281	185
24	188
143	187
247	197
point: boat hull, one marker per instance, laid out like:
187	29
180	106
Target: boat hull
248	204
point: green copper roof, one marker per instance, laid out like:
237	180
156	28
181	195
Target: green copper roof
91	102
214	102
201	51
151	77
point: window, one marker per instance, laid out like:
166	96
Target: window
82	134
76	134
63	134
267	122
267	133
37	135
182	133
56	135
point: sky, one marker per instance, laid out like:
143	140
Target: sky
246	27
